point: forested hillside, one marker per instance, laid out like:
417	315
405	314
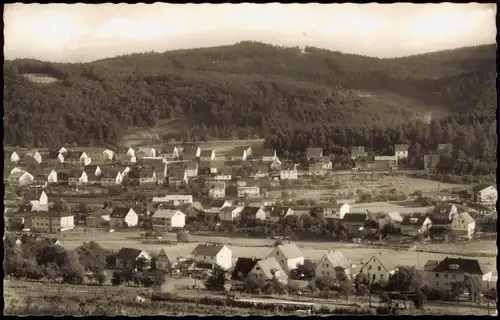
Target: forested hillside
291	97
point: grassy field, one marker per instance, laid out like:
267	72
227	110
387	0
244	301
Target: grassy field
346	186
260	248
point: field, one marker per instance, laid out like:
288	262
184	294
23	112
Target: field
346	186
260	248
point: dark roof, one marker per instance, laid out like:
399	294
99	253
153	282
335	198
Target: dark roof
128	253
110	173
62	176
206	153
33	194
51	213
480	187
249	211
400	147
192	165
53	155
119	212
314	152
207	250
243	267
146	173
218	203
279	211
459	265
414	220
267	153
90	174
355	217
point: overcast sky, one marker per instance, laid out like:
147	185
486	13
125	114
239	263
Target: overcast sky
86	32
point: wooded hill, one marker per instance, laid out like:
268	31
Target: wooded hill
250	89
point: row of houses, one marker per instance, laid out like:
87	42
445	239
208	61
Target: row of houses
287	257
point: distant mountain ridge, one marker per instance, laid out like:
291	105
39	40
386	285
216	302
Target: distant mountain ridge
245	89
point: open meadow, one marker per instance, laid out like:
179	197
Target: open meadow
347	185
260	248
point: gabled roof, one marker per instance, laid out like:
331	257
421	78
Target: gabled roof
290	250
460	265
467	217
249	211
416	220
34	194
237	152
269	265
110	173
128	253
120	212
481	187
243	267
161	213
337	259
53	155
279	211
388	262
288	167
207	250
218	203
355	217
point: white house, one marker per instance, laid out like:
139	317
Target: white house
108	154
379	268
332	211
63	151
253	213
175	198
14	157
49	221
78	158
123	218
111	178
485	194
401	151
216	189
192	169
250	191
326	163
276	164
35	155
415	224
145	152
52	177
279	212
169	219
21	178
230	213
332	264
268	269
463	224
167	260
444	274
76	178
215	254
289	171
288	256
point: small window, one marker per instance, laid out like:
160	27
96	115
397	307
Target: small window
437	275
373	277
381	276
453	276
328	273
379	268
369	267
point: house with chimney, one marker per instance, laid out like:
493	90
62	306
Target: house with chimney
168	220
415	223
32	157
379	268
259	172
386	162
191	153
170	153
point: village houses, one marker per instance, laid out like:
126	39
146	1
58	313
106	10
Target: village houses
229	214
267	155
248	190
289	172
333	264
192	169
401	151
123	218
268	269
177	199
444	274
145	152
314	154
378	268
358	152
416	223
49	221
167	260
288	256
111	177
485	194
168	219
128	258
253	213
21	178
331	211
216	189
207	155
280	212
214	254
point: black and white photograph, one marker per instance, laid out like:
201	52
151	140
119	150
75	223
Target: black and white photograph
250	159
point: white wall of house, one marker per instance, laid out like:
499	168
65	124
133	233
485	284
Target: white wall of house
178	220
284	262
288	174
401	154
26	179
376	271
14	157
325	268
